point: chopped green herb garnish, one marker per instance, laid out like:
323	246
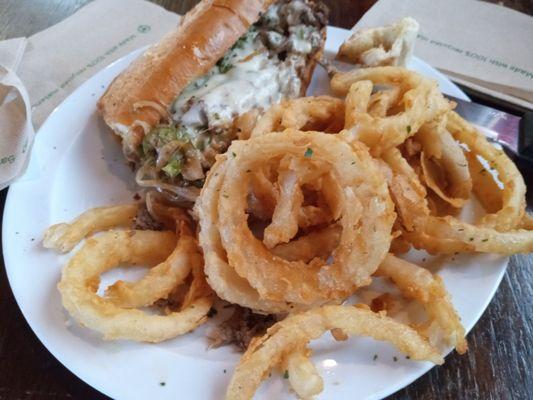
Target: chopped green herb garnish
226	62
161	136
308	152
224	65
286	374
173	168
395	358
408	128
162	383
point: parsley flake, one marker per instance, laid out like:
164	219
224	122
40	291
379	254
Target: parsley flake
308	152
286	374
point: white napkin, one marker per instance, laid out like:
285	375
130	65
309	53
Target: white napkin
45	68
483	46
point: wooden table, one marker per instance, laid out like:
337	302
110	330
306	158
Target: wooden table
497	366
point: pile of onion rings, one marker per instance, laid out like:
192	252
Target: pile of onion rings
173	258
354	206
313	203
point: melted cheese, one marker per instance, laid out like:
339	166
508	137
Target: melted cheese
254	81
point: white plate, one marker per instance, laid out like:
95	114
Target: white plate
76	165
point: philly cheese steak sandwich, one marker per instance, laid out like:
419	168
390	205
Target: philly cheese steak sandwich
188	96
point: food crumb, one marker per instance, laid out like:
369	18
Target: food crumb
136	196
375	357
407	357
212	312
33	239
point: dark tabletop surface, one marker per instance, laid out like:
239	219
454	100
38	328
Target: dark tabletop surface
500	358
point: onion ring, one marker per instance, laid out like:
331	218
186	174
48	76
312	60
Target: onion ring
418	283
79	282
322	113
276	279
161	279
447	234
298	329
302	373
227	284
421	103
444	164
64	237
514	192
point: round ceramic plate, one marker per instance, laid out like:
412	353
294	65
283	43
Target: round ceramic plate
77	164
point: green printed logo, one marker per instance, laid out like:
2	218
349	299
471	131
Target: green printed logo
8	160
143	28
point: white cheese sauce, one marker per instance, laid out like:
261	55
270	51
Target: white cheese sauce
254	81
